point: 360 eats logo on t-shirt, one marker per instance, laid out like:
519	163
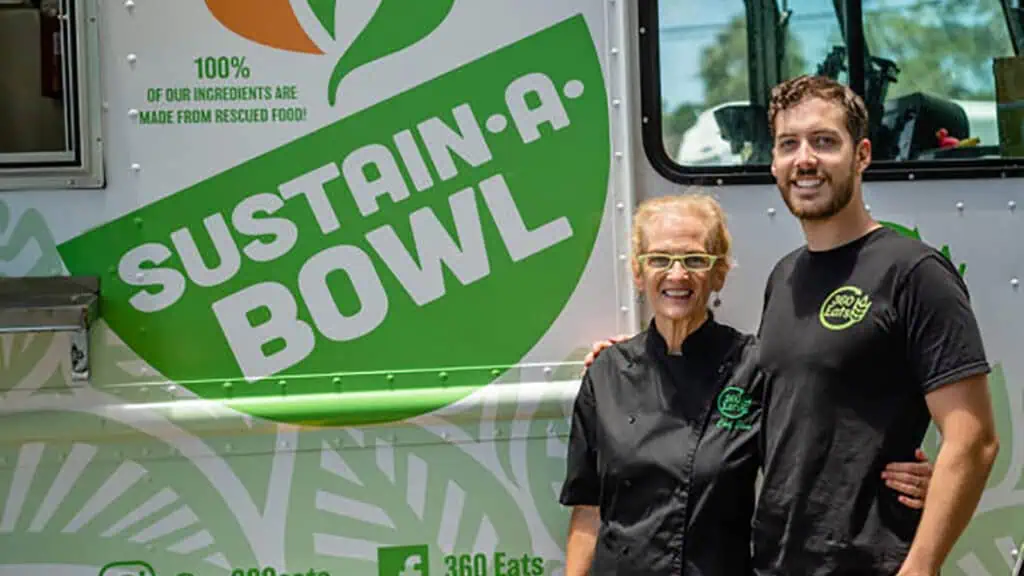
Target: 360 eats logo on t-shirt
844	307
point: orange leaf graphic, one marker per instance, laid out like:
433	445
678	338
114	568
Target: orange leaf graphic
268	22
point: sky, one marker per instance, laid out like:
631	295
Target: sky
686	27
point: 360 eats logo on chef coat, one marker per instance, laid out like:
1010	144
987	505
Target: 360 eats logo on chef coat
733	405
446	226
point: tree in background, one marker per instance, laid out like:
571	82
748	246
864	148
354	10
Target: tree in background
942	47
723	71
675	123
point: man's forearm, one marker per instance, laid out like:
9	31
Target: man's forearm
961	471
579	548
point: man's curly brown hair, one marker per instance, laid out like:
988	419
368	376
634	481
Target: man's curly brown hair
794	91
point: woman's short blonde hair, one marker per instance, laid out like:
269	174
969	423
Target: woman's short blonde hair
693	202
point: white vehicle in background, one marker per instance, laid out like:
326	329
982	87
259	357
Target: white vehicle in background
703	144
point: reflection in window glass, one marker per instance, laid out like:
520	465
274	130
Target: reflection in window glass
941	79
703	52
942	104
706	64
34	97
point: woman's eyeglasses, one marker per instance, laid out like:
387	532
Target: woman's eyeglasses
692	262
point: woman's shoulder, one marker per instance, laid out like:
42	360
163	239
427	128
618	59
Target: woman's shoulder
736	341
624	356
739	353
624	352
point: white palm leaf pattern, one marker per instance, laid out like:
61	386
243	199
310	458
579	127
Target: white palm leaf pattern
984	549
27	248
358	489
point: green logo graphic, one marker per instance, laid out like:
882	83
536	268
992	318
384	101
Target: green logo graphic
403	561
843	308
132	568
445	227
733	405
392	26
396	24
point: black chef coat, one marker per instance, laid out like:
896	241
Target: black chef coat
669	447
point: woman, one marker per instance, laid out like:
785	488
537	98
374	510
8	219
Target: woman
664	448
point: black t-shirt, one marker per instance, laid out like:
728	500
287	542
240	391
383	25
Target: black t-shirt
667	447
853	339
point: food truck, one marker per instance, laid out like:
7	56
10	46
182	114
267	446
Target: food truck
303	287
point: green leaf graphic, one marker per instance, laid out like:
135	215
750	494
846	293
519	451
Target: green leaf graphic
481	419
19	356
90	503
546	454
29	250
1004	426
397	24
536	113
546	466
915	233
359	489
324	11
985	540
118	370
986	543
120	493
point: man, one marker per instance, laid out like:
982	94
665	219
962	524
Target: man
867	335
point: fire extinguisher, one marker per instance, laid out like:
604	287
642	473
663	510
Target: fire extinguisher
51	57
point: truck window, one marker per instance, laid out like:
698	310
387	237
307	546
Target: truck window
711	58
48	112
941	78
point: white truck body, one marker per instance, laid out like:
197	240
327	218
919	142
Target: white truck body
349	260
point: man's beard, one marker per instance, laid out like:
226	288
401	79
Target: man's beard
841	195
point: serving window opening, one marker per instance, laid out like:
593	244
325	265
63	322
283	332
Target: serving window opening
49	108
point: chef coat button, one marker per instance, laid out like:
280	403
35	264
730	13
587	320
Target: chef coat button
627	484
625	550
631	418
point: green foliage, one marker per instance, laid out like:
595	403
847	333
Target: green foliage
942	47
723	65
675	123
723	71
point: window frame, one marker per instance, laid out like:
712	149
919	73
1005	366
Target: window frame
648	32
82	167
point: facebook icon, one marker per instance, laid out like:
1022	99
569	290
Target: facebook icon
403	561
412	566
